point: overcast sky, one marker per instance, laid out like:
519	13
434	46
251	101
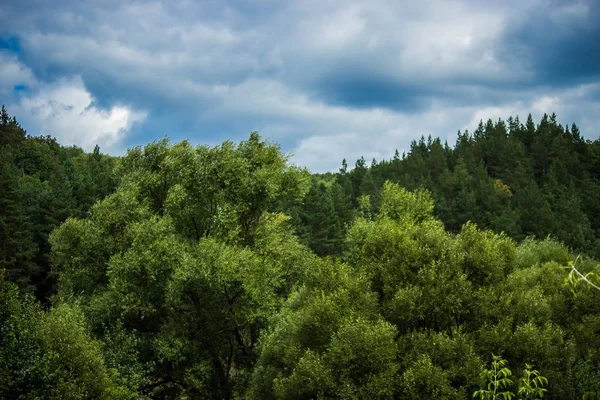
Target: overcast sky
326	79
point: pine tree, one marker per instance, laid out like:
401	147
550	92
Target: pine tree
17	245
11	133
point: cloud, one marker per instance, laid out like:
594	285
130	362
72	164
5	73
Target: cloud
327	133
328	80
357	54
66	110
14	74
559	47
377	133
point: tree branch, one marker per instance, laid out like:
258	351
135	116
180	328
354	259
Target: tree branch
583	277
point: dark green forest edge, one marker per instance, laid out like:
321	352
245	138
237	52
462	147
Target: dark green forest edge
180	272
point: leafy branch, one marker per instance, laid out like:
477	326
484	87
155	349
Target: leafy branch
576	277
498	377
531	384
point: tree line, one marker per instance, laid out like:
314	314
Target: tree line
524	180
226	272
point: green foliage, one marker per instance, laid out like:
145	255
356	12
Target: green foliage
224	272
531	384
51	355
25	372
589	280
327	341
401	205
424	380
450	356
523	180
75	360
498	379
42	184
186	260
320	219
591	395
220	191
488	257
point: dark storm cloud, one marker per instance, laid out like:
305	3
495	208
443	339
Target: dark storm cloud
559	42
365	91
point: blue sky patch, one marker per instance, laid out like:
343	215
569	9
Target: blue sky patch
10	43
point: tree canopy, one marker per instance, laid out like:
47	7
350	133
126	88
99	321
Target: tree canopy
226	272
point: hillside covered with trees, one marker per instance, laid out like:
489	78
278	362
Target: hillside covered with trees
522	179
226	272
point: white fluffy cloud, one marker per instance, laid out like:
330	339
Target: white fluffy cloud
402	41
65	109
13	73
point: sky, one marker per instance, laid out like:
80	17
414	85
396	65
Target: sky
326	79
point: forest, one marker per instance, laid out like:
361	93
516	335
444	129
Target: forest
450	271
